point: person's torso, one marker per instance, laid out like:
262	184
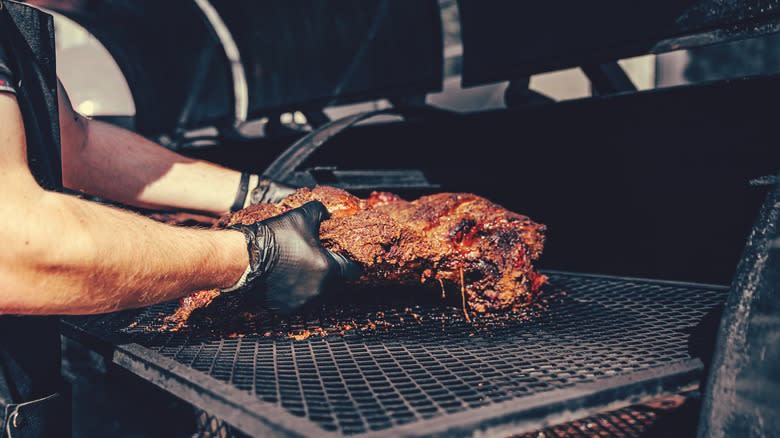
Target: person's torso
30	346
27	35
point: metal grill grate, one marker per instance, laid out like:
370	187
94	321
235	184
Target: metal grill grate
422	369
628	422
668	416
209	426
644	420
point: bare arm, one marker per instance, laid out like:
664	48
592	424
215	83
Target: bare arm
111	162
63	255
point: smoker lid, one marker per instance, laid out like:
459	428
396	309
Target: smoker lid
266	56
513	39
313	52
158	46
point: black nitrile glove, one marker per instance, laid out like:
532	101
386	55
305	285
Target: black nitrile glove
285	256
254	189
268	191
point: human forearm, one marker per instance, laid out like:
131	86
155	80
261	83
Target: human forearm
117	164
70	256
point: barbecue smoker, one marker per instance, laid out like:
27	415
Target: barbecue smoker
656	192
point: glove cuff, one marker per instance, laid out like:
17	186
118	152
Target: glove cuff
261	248
241	281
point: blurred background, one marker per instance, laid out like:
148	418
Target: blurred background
97	87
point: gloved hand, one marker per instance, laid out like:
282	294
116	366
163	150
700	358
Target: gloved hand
268	191
286	257
253	189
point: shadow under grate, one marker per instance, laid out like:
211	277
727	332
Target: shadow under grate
383	366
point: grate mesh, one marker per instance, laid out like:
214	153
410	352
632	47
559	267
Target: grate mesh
628	422
400	364
662	417
209	426
647	420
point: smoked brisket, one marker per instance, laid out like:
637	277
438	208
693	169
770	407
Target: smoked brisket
454	241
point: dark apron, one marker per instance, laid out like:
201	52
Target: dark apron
33	399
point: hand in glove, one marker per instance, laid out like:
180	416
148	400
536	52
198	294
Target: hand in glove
270	192
285	256
253	189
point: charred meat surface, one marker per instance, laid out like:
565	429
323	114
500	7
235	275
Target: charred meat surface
455	241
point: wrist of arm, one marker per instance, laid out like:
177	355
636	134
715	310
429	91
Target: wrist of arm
71	256
107	161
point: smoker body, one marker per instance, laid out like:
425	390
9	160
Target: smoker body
632	185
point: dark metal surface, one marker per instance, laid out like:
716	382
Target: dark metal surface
295	55
663	417
507	39
743	392
608	78
725	34
357	181
422	369
297	153
158	47
518	94
658	418
671	203
312	53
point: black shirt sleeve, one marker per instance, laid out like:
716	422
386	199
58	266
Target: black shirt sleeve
6	76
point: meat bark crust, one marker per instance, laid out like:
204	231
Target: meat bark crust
458	239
